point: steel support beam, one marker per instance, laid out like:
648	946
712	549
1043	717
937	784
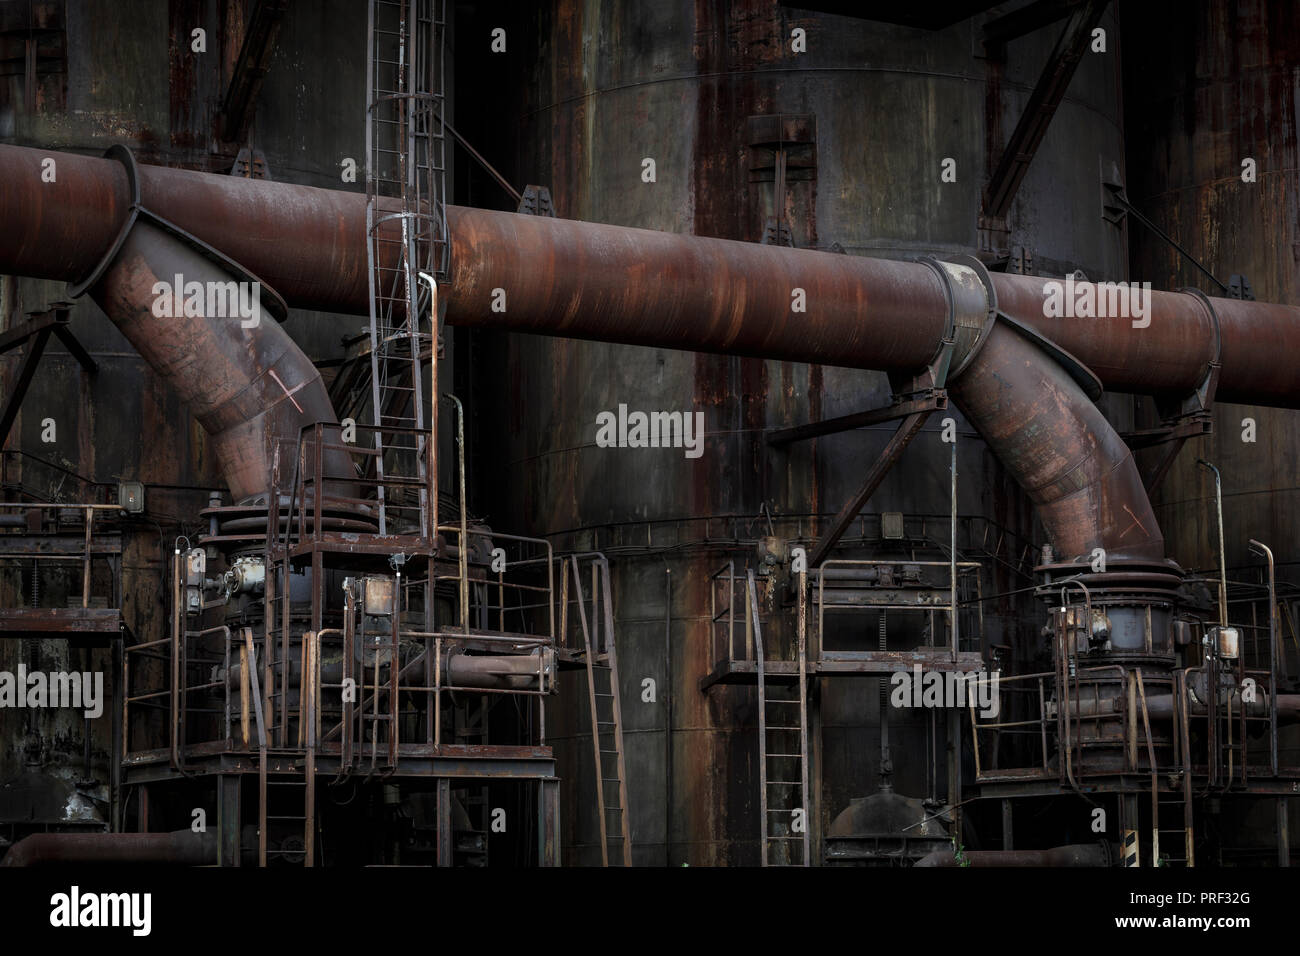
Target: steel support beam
902	437
78	351
228	819
20	334
446	846
251	68
26	372
999	31
1283	834
1041	107
548	822
933	403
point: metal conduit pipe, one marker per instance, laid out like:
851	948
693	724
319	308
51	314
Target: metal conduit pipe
180	848
1160	707
1078	854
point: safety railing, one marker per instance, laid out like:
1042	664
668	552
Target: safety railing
318	507
85	523
848	579
182	681
502	585
1019	694
726	591
583	599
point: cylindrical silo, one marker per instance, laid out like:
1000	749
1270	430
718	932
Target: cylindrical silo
867	114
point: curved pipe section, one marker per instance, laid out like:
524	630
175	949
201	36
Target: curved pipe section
1057	444
248	384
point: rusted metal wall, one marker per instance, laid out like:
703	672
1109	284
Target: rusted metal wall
606	85
1218	86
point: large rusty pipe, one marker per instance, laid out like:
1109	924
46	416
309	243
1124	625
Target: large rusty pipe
634	286
594	281
1172	354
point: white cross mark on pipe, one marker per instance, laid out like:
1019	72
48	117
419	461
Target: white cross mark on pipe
287	392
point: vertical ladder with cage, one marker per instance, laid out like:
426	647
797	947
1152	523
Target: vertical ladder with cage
405	233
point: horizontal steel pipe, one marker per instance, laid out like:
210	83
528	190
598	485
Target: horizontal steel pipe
593	281
635	286
180	848
525	671
1160	707
308	244
1078	854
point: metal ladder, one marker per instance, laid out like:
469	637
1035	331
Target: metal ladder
783	746
1183	804
276	659
405	224
606	710
1173	839
294	803
296	794
378	708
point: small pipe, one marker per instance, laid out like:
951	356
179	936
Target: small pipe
668	718
1260	548
1223	563
431	449
1212	651
464	506
952	553
1070	669
886	759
